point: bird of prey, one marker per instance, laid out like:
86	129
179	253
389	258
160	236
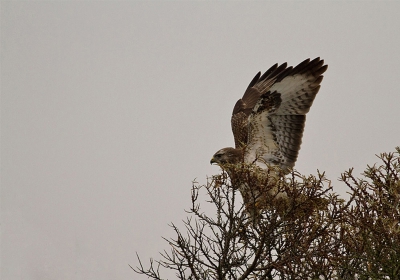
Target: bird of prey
268	124
268	121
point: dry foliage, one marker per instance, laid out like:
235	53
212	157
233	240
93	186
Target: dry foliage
290	227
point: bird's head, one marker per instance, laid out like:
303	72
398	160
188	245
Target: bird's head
227	155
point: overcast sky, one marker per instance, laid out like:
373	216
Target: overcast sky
109	111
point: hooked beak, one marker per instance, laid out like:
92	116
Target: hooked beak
213	161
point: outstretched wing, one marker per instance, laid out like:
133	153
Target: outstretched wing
245	105
276	123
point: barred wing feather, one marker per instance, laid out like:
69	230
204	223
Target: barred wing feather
276	123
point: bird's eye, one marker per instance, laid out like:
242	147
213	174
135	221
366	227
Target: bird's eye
218	155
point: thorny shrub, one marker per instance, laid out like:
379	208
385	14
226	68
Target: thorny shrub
268	225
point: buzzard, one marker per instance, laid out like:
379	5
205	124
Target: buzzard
268	121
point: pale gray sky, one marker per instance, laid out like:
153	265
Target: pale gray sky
109	110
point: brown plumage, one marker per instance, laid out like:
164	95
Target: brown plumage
268	121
